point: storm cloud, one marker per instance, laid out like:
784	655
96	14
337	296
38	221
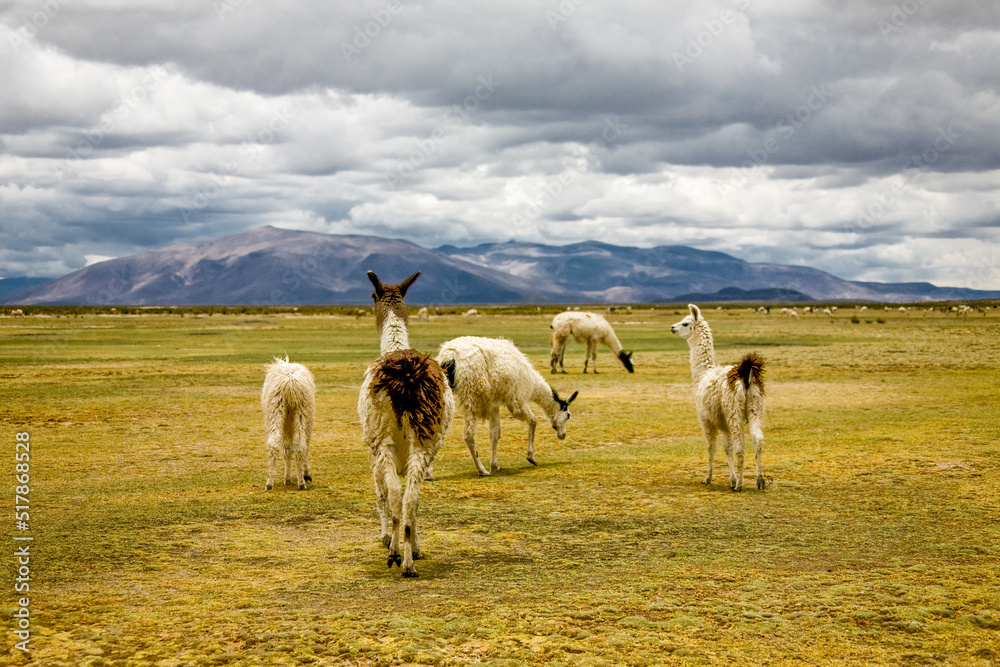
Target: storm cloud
858	138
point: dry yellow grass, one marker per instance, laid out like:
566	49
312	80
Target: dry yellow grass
155	544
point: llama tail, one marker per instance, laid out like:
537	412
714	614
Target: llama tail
415	386
449	370
750	373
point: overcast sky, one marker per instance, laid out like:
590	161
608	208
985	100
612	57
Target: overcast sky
861	138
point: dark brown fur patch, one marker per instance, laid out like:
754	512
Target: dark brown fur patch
750	370
415	385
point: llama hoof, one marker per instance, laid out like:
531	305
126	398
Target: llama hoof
410	572
395	558
268	487
430	479
417	555
494	470
308	478
761	484
532	461
302	486
706	481
484	473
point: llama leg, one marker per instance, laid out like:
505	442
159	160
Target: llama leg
273	456
469	432
494	439
757	435
591	355
390	491
558	349
300	450
287	446
711	436
415	471
525	414
735	451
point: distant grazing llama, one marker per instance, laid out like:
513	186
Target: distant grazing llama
17	312
489	373
588	328
405	407
288	399
422	314
728	398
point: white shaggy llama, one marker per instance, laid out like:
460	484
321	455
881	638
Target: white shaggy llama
728	398
288	399
489	373
405	406
588	328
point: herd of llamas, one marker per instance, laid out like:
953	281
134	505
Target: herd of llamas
408	399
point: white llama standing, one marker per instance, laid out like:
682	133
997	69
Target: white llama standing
588	328
728	398
288	399
489	373
405	406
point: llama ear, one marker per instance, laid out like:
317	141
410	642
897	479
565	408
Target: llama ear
379	289
570	399
405	285
695	312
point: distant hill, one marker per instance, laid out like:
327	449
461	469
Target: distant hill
14	285
269	266
735	294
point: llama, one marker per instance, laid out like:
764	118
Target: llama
470	314
589	328
17	312
405	406
728	398
422	314
487	373
288	399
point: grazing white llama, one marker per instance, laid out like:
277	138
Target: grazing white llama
288	399
489	373
470	314
405	406
422	314
588	328
17	312
728	398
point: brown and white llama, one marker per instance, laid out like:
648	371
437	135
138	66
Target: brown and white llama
729	399
405	406
288	399
589	329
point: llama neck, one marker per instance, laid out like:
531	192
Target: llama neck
393	335
702	350
612	341
541	394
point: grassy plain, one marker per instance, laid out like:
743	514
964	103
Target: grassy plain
877	541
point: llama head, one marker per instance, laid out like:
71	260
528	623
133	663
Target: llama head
559	419
626	359
389	298
685	327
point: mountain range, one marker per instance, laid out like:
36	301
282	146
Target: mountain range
270	266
